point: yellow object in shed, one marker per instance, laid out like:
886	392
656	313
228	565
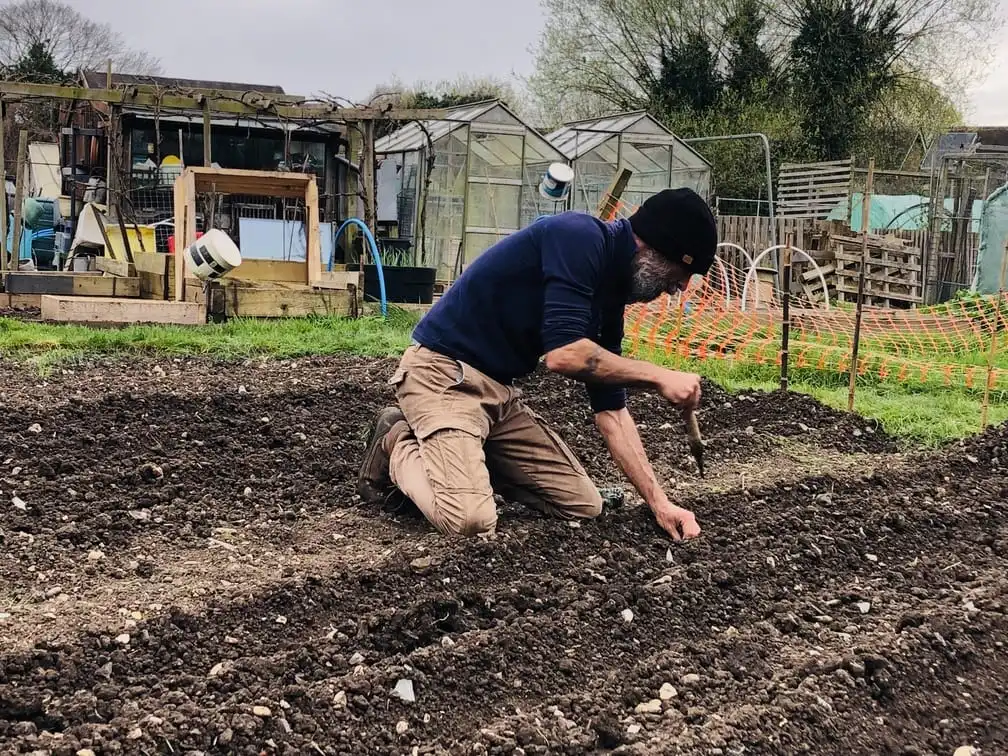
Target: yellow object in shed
135	234
94	230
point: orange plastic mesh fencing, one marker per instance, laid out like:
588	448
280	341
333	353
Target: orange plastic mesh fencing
729	316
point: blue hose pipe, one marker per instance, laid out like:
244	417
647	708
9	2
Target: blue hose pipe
374	254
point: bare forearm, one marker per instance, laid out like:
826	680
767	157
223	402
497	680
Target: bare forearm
623	440
585	360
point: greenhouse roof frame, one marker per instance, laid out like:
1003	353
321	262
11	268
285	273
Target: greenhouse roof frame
578	138
411	137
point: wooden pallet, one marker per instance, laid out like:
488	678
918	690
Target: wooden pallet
812	285
893	274
813	190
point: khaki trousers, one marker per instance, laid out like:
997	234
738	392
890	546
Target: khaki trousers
471	436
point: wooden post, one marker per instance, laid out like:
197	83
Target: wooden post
19	199
113	166
368	160
992	352
206	134
786	320
313	251
3	192
610	200
185	231
865	212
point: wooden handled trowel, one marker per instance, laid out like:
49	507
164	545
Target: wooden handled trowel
696	446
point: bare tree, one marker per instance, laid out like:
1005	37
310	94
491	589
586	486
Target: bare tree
604	55
462	89
73	40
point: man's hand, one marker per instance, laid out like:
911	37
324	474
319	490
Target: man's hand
623	440
678	522
682	389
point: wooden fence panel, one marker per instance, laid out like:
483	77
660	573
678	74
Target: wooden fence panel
753	232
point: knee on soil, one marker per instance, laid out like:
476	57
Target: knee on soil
585	502
477	516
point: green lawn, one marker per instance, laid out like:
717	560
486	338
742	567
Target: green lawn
45	344
927	414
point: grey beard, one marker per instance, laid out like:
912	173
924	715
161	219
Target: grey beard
646	286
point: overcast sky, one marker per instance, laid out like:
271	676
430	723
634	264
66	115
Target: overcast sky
343	48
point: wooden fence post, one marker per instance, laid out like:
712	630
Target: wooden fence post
991	353
3	194
786	319
19	189
865	213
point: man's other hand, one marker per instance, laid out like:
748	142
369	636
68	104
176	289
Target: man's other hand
682	389
678	522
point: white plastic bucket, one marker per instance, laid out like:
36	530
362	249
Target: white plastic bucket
556	182
213	255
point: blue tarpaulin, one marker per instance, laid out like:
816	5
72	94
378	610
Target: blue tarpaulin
898	212
993	235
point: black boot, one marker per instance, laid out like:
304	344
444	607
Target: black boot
373	481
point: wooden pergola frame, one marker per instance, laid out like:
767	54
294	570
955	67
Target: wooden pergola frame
250	105
235	181
140	95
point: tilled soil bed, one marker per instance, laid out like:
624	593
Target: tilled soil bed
184	569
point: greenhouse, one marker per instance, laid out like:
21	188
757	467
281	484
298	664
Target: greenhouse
483	184
657	157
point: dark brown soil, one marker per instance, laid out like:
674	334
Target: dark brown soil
826	614
21	313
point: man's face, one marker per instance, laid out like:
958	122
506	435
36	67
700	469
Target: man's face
654	275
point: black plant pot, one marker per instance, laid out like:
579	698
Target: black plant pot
404	284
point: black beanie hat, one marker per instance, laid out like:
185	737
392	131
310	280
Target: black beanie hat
679	225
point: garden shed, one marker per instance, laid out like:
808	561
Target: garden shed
484	164
635	140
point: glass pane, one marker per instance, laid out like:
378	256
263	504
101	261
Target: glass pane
389	179
307	157
476	243
397	179
497	115
650	166
440	235
594	172
407	196
697	179
539	154
493	206
533	203
496	155
649	163
633	199
645	126
684	158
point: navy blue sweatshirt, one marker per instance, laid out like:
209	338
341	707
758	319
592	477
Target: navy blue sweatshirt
564	278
